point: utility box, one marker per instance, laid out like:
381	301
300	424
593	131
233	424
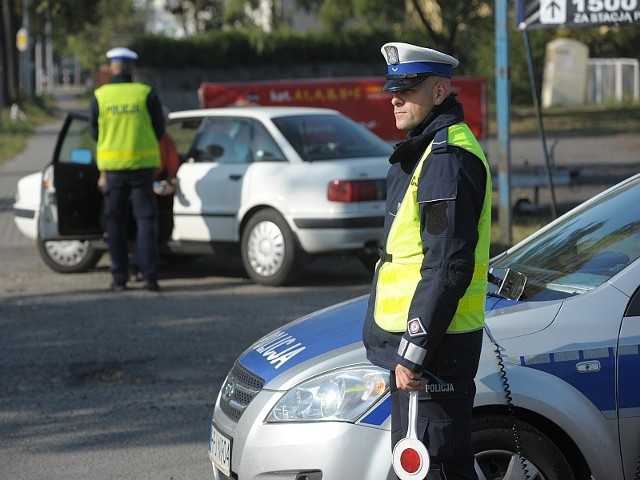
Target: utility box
565	73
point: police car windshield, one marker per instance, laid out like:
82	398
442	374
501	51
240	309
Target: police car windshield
582	251
330	137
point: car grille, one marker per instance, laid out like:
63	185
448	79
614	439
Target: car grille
240	387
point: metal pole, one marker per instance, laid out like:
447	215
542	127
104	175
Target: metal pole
536	103
28	74
38	65
3	94
48	53
503	119
618	74
636	83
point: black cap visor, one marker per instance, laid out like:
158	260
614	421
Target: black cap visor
396	83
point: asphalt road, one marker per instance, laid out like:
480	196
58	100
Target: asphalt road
99	385
102	385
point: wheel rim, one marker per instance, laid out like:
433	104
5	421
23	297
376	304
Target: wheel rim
266	249
67	253
505	465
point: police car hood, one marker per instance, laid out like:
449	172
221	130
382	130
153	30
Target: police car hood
332	338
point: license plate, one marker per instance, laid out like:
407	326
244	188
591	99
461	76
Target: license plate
220	451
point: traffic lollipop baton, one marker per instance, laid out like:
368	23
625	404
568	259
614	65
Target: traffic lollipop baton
410	457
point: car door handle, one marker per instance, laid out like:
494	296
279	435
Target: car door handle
235	176
591	366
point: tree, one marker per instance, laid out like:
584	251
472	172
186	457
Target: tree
110	23
442	20
252	13
336	15
197	16
9	74
445	20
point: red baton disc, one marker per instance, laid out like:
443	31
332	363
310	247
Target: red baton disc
410	457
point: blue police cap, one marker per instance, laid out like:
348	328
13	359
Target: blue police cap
408	65
121	54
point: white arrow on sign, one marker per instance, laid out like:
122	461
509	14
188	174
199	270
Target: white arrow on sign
553	11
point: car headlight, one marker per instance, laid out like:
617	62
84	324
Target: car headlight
340	395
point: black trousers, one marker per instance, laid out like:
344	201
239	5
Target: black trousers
444	423
132	189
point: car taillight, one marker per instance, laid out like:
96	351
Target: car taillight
356	190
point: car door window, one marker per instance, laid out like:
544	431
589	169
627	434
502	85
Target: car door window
264	148
222	140
183	131
77	139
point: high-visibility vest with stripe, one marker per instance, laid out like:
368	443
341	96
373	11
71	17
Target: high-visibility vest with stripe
126	138
398	278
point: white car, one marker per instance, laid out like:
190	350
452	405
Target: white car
282	184
558	396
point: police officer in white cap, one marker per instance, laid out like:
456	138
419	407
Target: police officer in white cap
426	310
127	121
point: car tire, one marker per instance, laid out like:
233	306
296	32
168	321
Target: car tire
269	249
69	256
495	450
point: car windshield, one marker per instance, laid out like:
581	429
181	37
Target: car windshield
330	137
582	251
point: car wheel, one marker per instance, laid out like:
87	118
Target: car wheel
69	256
495	451
269	249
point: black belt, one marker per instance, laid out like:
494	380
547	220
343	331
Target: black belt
384	256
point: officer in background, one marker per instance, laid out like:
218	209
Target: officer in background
126	119
426	311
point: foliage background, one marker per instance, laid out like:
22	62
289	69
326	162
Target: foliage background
245	33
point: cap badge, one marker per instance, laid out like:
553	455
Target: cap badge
392	55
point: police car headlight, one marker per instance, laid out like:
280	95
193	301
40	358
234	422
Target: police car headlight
340	395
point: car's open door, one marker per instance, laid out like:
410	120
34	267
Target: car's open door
71	203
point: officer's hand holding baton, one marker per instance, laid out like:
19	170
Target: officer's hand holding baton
407	380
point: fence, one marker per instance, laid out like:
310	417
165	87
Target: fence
612	80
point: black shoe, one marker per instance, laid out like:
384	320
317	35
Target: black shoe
152	286
118	287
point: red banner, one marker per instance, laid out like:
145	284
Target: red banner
358	98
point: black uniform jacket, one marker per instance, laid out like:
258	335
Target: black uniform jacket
451	191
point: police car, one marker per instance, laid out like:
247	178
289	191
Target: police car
280	185
558	396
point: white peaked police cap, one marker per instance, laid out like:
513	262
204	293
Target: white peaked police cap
408	65
122	54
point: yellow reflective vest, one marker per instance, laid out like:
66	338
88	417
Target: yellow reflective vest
126	138
398	278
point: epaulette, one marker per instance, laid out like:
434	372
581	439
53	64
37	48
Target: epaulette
440	141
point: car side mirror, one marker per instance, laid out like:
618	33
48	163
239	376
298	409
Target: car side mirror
506	283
